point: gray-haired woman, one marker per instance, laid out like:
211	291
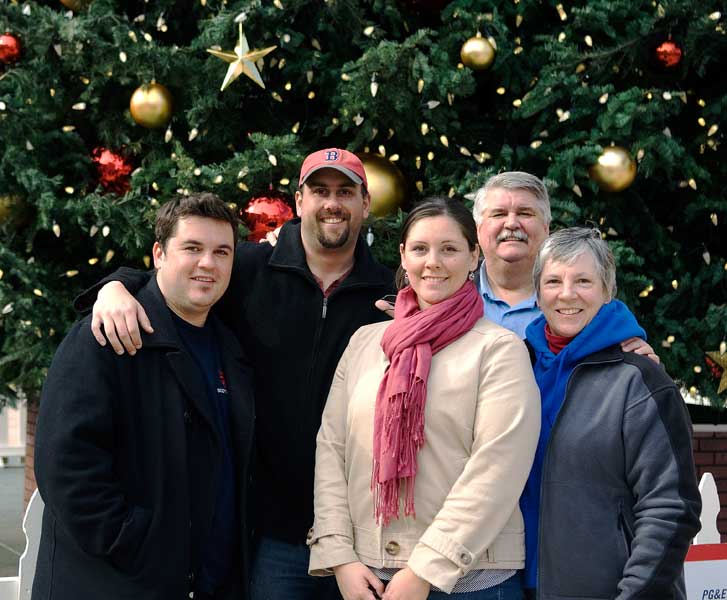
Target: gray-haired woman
612	503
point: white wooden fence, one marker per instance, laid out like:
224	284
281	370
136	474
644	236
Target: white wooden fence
705	569
20	587
12	434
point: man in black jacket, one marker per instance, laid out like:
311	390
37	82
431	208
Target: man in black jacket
293	308
142	463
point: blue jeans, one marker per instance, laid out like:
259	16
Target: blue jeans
509	589
280	572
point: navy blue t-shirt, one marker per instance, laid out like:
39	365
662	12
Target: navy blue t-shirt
213	557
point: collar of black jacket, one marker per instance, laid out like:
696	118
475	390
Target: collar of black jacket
165	331
290	254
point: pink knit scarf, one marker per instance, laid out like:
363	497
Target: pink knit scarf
409	343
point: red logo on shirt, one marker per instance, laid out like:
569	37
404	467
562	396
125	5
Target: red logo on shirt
223	383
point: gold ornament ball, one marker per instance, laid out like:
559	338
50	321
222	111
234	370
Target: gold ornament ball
13	210
477	53
151	105
75	5
387	185
615	169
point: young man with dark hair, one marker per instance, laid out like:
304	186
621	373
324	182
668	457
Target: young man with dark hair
143	463
293	307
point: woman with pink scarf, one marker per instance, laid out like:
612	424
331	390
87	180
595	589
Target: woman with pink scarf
428	435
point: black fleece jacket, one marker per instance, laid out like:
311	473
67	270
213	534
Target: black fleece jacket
293	337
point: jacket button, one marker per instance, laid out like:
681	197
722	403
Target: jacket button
187	417
465	558
309	535
392	548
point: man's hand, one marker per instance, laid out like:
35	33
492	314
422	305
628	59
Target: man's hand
120	315
386	304
355	580
405	585
639	346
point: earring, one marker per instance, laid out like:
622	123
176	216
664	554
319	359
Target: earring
472	276
406	278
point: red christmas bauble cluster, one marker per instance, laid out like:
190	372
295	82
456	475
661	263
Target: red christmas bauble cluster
266	212
668	54
714	368
9	48
114	170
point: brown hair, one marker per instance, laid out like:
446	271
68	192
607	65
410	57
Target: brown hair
203	204
438	206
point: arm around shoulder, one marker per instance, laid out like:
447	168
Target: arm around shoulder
132	279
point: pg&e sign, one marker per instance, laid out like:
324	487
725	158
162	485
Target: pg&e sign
705	572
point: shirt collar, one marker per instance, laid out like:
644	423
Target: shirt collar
327	292
487	292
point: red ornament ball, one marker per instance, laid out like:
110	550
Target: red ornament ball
266	212
114	170
668	54
9	48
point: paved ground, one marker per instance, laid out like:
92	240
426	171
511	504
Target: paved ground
12	538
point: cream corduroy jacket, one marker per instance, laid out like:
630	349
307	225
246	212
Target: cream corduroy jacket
481	425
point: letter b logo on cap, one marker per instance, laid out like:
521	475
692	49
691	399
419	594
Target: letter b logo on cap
331	155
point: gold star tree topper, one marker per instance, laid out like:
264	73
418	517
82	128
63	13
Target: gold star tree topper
721	359
242	60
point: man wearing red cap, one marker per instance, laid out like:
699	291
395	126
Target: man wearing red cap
293	307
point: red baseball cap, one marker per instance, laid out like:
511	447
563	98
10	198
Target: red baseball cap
334	158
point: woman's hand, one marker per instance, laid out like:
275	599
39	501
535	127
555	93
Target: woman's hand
405	585
355	580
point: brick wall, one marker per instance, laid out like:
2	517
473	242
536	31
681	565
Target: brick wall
32	418
710	455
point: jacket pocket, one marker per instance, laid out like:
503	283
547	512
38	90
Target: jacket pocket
508	547
625	529
129	549
580	557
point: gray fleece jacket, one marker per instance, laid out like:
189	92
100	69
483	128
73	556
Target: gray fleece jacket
620	503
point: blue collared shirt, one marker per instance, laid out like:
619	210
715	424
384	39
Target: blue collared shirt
515	318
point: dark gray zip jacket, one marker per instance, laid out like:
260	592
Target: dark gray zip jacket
619	497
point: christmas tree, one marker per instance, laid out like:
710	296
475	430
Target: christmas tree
107	109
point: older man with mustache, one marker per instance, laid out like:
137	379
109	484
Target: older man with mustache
512	212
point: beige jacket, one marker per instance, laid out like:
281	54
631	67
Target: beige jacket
481	425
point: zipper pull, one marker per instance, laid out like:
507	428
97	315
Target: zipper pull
325	307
